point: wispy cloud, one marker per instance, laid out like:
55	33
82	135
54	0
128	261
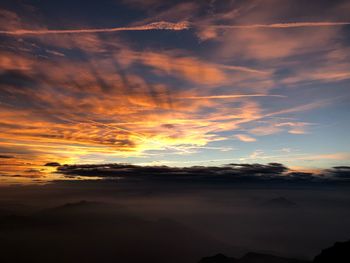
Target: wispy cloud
162	25
330	156
283	25
301	108
245	138
235	96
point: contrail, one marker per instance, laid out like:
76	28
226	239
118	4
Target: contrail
244	69
283	25
162	25
232	96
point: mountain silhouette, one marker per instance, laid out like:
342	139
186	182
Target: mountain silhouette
338	253
266	258
250	258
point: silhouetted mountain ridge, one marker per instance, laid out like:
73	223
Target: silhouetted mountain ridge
250	257
338	253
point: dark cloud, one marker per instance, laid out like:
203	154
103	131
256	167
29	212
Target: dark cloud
17	79
240	173
235	172
339	172
271	168
301	175
6	156
53	164
231	170
169	126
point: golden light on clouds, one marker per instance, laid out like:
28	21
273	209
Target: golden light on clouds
179	83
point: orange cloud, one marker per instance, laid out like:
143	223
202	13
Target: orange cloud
331	156
235	96
162	25
57	107
284	25
188	67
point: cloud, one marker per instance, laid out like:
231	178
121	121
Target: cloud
53	164
295	127
6	156
300	108
234	96
283	25
245	138
238	171
261	44
9	20
330	156
259	169
339	172
162	25
301	175
234	172
265	130
257	36
190	68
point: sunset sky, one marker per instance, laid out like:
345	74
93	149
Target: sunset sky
178	83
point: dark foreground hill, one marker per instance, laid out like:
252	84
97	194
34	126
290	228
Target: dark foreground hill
338	253
250	258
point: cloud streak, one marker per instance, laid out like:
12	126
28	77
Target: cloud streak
283	25
245	138
235	96
162	25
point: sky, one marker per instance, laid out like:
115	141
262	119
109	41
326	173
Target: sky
177	83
